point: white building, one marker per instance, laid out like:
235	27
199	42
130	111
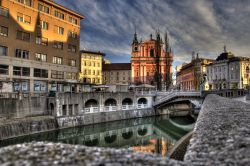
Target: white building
228	72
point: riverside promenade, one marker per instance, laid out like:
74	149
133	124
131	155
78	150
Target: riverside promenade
221	137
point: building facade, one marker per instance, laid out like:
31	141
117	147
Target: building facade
117	73
228	72
151	63
39	46
190	76
91	67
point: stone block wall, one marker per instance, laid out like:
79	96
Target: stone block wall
23	107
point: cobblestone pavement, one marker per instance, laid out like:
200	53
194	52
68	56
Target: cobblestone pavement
44	154
222	133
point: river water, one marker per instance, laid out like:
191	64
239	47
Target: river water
152	134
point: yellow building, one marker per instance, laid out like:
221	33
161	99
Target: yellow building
39	46
91	67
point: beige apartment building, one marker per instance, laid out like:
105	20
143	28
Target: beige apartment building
117	73
39	46
91	67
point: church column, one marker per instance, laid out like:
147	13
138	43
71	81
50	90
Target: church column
145	73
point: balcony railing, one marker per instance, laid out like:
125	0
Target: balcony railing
127	107
110	108
142	106
91	110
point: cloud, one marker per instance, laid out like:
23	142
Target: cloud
200	25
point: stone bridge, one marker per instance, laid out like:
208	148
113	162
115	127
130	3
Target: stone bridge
177	101
68	104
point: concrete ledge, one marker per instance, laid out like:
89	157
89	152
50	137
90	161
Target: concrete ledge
43	154
222	133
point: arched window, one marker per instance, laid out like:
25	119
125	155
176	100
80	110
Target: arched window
247	69
152	52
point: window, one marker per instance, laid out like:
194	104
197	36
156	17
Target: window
73	63
3	50
40	86
72	34
57	60
71	48
152	52
44	25
57	74
72	20
23	36
59	15
4	12
4	69
41	57
42	41
25	2
40	73
3	31
21	71
43	8
58	45
22	54
71	76
59	30
23	18
247	69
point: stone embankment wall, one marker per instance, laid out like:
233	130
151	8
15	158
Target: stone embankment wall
30	125
87	119
10	128
14	105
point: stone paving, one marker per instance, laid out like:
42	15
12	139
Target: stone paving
44	154
222	133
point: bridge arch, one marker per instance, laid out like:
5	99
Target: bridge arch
110	102
110	138
127	101
127	134
142	101
142	131
91	103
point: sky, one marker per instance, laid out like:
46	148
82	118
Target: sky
203	26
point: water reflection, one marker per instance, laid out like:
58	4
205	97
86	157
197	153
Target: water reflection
155	134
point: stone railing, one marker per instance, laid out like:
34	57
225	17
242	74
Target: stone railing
110	108
142	106
91	110
173	94
128	107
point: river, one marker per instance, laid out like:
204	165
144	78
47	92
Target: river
152	134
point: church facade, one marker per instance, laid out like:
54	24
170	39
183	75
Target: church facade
151	62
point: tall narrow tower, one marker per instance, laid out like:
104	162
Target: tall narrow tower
169	61
158	74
